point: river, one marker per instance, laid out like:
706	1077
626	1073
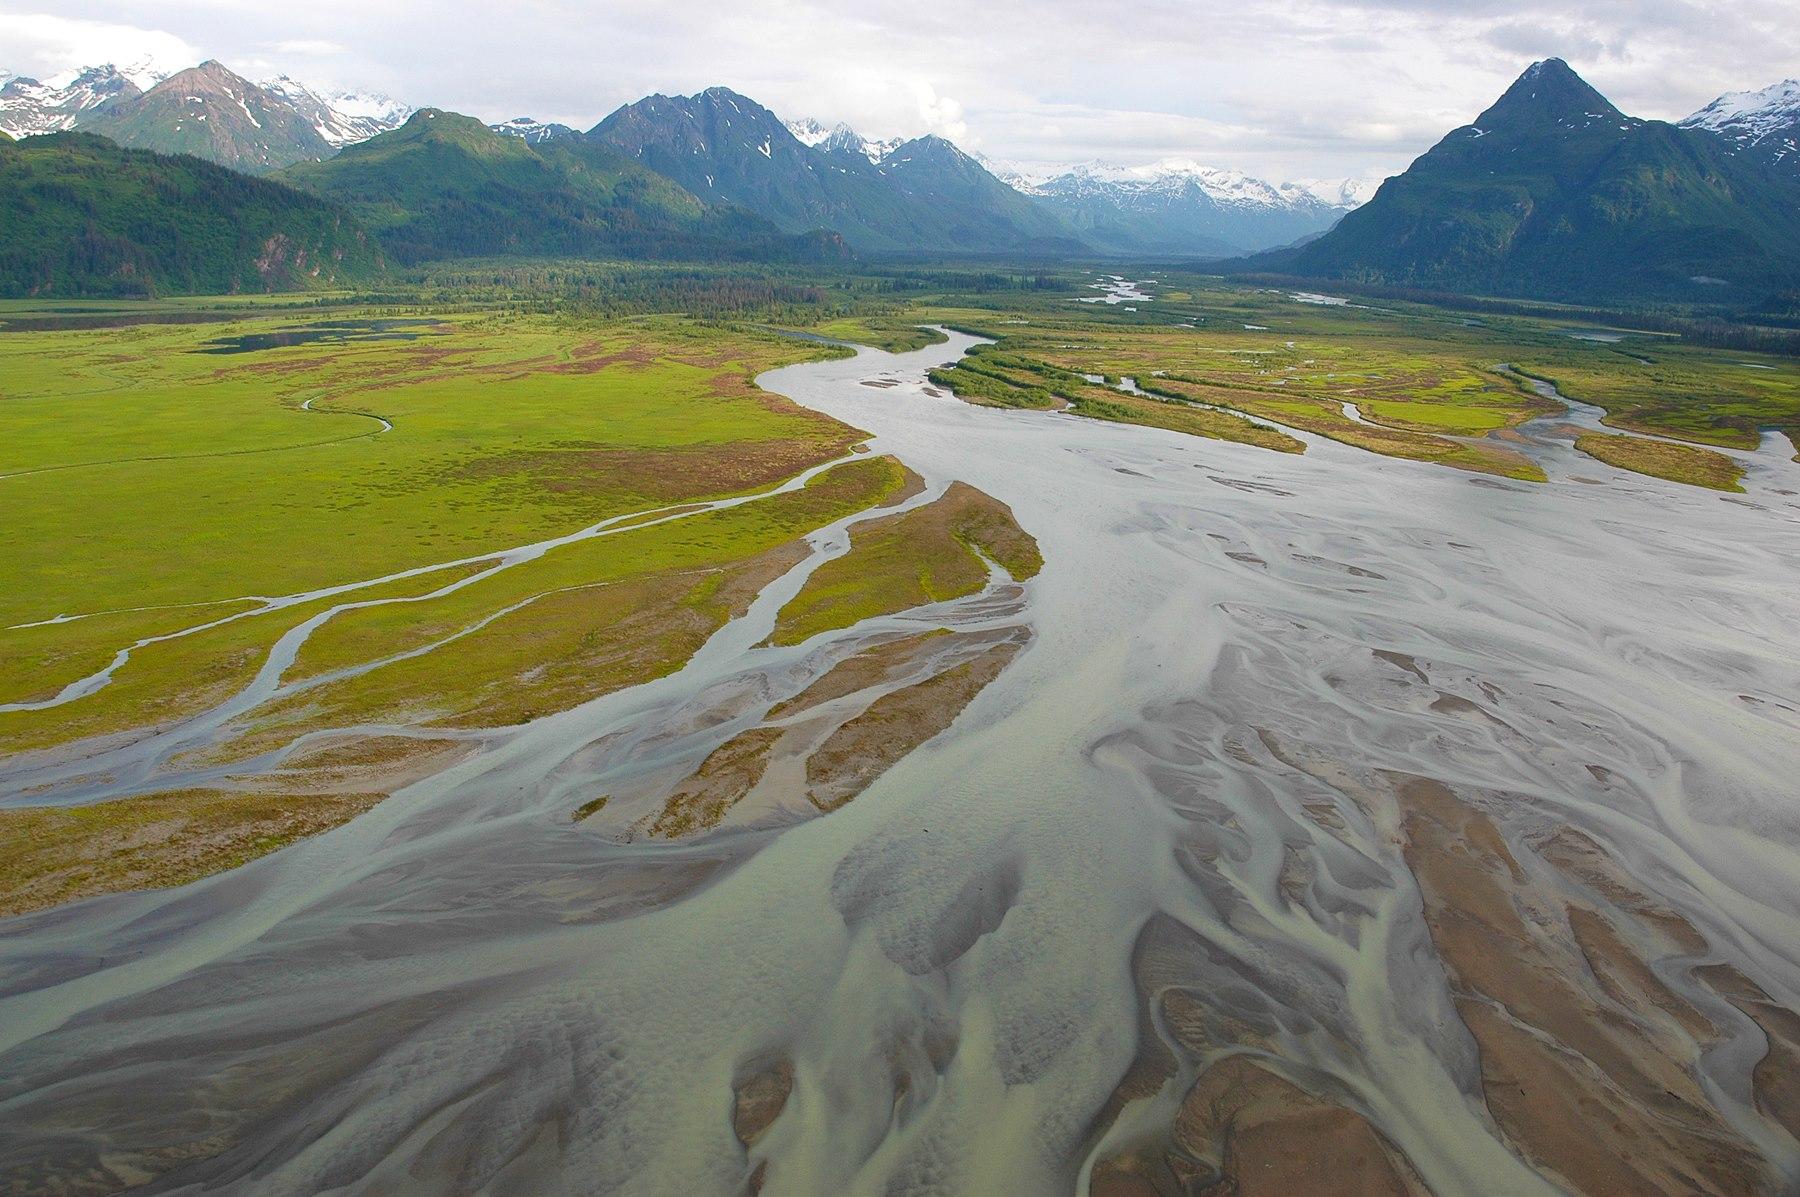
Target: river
462	991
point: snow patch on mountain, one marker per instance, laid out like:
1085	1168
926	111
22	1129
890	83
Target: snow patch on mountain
1765	122
1343	193
534	131
841	138
808	132
1172	177
341	117
29	107
1751	114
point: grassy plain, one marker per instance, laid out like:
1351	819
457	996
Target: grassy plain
926	555
154	488
1401	379
1664	459
140	473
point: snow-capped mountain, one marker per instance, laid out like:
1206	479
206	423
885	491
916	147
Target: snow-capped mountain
76	99
29	107
841	138
727	149
808	132
341	118
1175	176
213	113
1761	124
1343	193
1181	206
534	131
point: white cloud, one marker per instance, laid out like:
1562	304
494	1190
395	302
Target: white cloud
1282	88
42	45
941	114
309	46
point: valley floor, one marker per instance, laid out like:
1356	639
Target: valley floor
1190	744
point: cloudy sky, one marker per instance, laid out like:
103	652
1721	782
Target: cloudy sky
1301	89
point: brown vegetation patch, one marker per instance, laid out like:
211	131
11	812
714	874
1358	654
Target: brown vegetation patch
868	668
728	773
52	855
664	475
867	746
1664	459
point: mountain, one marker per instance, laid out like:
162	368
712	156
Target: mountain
534	131
85	217
1761	125
340	118
1553	193
28	107
1181	207
727	149
1342	193
841	137
214	114
968	208
445	185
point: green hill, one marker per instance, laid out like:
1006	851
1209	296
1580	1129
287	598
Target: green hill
1554	193
445	185
85	217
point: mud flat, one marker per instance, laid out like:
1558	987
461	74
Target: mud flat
1428	831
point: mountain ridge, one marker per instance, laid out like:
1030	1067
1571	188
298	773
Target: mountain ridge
727	148
445	185
1763	125
87	217
1553	193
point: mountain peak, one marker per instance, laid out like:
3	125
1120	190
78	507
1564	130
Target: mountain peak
1765	124
1750	111
534	131
1548	92
211	75
443	125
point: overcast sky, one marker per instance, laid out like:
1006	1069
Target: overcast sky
1306	89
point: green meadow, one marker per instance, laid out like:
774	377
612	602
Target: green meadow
156	488
1401	379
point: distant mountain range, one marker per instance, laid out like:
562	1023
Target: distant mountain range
207	111
923	195
1551	192
447	186
1182	207
1554	193
883	195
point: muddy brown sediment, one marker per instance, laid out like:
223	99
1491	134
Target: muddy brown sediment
53	855
759	1094
867	746
868	668
727	774
1776	1077
1588	1087
840	761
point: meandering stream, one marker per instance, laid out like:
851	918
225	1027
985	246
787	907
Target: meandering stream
462	991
